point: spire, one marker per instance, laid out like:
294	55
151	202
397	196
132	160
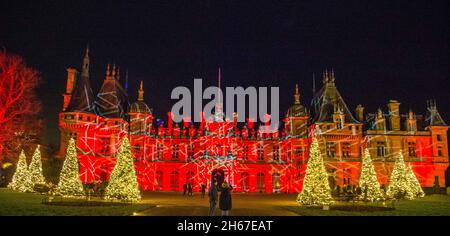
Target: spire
325	76
108	72
296	95
114	70
332	75
314	84
85	67
218	86
126	80
141	92
118	73
218	116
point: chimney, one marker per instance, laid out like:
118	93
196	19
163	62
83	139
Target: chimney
70	84
360	113
394	114
169	123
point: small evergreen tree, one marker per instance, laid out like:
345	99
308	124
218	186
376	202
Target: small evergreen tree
399	185
35	168
21	180
368	181
69	180
414	183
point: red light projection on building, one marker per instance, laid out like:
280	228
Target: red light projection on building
166	157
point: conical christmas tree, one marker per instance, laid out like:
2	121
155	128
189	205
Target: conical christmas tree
21	180
316	189
368	182
69	180
122	183
414	183
399	186
35	168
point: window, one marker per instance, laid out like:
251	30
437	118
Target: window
175	149
260	183
190	151
440	151
80	117
260	152
245	152
346	149
331	149
411	149
381	149
159	151
439	137
174	180
276	153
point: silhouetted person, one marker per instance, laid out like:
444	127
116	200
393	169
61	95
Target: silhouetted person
184	188
189	189
203	190
225	199
212	198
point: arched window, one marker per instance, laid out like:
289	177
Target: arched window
174	180
159	180
260	183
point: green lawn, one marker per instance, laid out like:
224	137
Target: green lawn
30	204
432	205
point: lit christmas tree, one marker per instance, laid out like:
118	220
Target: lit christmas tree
368	182
21	180
69	180
122	183
35	168
414	183
316	189
399	185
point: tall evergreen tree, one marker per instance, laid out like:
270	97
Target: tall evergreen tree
69	180
21	180
316	189
123	183
35	168
368	182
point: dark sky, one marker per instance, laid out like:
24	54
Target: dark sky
379	50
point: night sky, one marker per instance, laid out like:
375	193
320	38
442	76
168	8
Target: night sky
378	50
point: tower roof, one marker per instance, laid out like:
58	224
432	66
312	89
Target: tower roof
140	106
111	99
327	100
297	109
433	116
82	99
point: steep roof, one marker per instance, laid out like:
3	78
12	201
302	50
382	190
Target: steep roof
82	99
111	100
327	100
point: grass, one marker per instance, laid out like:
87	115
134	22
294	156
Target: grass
30	204
431	205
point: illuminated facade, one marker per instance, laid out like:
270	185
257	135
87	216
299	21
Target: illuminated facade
168	156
